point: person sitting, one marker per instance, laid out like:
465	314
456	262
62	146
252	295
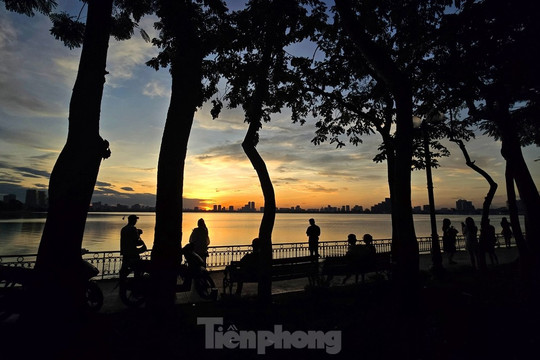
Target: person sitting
368	240
131	246
249	263
357	256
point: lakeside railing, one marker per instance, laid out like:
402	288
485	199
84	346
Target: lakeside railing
110	262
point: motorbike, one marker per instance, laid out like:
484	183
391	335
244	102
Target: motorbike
134	291
93	295
15	282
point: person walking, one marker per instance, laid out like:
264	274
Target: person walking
200	240
313	232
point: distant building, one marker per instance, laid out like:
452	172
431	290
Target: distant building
9	197
384	207
464	206
42	199
31	200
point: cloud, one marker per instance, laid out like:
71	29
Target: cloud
124	57
156	89
320	189
103	184
29	172
23	75
127	188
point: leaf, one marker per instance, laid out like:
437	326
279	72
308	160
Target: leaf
27	7
65	28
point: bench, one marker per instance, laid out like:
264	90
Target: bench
282	269
380	263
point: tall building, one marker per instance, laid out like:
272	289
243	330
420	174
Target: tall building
31	200
464	206
384	207
42	199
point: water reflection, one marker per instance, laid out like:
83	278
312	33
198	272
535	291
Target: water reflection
102	231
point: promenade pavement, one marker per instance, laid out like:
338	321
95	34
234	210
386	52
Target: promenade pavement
112	302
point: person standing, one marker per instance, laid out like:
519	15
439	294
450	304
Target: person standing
200	240
449	240
131	246
470	232
506	231
487	242
313	232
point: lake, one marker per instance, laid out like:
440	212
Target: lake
102	233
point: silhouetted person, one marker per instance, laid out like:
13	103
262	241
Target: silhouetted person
200	240
359	256
506	231
487	242
249	263
131	246
368	240
470	232
449	240
313	232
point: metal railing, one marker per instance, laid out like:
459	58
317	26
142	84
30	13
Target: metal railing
110	262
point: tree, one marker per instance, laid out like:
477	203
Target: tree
390	40
189	34
257	71
74	175
485	46
339	87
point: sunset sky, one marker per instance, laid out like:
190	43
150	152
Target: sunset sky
37	74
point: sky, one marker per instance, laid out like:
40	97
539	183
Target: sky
37	74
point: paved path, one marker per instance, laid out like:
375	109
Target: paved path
112	302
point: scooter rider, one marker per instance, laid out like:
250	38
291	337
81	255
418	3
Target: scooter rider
131	246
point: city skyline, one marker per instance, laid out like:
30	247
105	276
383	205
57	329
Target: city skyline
37	200
38	73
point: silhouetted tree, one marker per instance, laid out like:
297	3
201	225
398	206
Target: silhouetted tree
485	62
188	35
392	39
338	87
74	175
257	71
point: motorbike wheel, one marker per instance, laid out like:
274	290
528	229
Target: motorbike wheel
94	296
130	294
205	286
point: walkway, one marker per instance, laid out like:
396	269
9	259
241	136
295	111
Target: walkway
113	304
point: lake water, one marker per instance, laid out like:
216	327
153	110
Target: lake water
102	233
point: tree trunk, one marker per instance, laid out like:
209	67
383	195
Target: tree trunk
528	193
73	178
385	70
186	93
487	200
492	184
514	213
269	215
407	261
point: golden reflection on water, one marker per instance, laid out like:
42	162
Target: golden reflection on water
102	232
